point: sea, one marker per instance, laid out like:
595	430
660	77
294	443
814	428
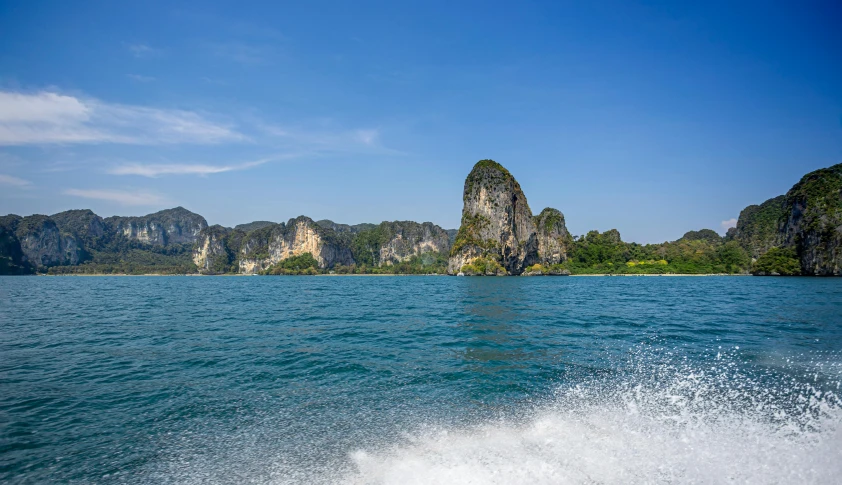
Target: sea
420	380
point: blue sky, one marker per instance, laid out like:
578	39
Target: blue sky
652	118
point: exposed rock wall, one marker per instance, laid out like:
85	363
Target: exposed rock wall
171	226
272	244
813	221
405	239
44	245
554	241
496	222
216	248
12	259
758	227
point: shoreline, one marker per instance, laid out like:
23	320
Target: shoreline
340	275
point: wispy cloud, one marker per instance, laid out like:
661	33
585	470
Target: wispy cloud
49	117
155	170
322	141
118	196
368	137
732	222
140	78
140	49
241	52
13	181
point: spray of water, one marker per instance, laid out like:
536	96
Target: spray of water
656	422
658	418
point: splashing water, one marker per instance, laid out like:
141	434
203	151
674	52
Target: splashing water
420	380
660	423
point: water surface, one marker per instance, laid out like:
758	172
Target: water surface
420	380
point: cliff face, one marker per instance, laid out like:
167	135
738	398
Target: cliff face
496	222
12	259
216	249
554	241
83	224
813	221
272	244
253	226
171	226
758	226
343	228
44	245
405	239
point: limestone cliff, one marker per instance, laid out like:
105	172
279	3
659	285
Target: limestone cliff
496	222
44	245
404	239
171	226
554	241
253	226
216	248
12	259
272	244
812	223
758	226
83	224
342	228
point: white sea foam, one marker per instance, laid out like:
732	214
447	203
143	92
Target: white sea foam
674	425
715	421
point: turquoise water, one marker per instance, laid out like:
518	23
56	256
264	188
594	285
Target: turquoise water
420	380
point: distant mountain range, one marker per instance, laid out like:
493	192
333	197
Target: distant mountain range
796	233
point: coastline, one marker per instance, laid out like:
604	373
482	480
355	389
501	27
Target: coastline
339	275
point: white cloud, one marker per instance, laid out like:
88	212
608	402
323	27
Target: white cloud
321	140
155	170
240	52
13	181
368	137
140	78
732	222
140	50
118	196
49	118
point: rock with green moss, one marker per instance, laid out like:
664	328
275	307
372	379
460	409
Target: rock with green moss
12	259
265	247
777	262
554	241
44	245
813	221
496	222
758	226
163	228
216	249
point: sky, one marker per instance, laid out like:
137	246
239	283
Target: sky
654	118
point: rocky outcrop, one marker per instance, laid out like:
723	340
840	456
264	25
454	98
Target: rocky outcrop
758	227
496	222
171	226
83	224
812	222
216	250
253	226
706	235
12	259
44	245
272	244
554	241
345	228
405	239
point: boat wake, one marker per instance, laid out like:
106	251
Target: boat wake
660	423
712	420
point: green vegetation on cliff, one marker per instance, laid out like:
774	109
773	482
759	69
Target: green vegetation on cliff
304	264
777	261
698	253
484	266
